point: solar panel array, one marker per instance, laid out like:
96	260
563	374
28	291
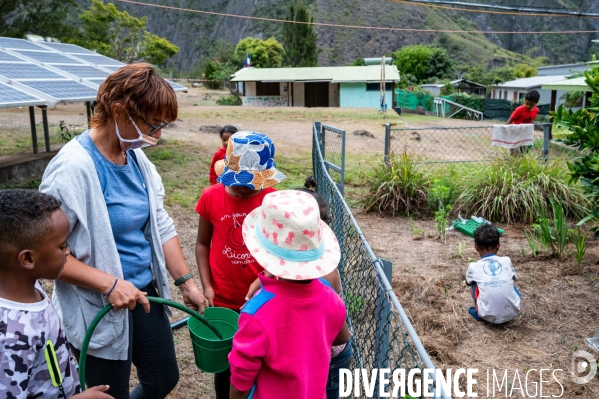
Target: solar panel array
46	73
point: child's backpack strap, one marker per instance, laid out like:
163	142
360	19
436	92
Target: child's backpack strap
254	304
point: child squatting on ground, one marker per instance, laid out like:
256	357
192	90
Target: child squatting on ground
224	133
492	278
285	335
33	235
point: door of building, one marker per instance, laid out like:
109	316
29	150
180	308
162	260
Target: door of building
317	94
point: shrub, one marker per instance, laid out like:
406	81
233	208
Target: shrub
584	134
398	187
519	189
231	99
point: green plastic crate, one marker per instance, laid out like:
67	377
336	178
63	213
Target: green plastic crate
469	227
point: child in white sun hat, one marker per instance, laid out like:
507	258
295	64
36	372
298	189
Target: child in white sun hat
287	330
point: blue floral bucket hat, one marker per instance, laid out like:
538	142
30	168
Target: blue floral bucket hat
249	162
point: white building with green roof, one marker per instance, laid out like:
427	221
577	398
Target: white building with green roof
346	86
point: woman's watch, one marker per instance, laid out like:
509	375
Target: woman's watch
183	279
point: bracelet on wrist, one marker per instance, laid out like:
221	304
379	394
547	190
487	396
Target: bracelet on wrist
112	289
183	279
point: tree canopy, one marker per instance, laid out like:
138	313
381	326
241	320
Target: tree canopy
299	39
264	53
40	17
119	35
422	63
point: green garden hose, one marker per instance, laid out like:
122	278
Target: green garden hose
108	308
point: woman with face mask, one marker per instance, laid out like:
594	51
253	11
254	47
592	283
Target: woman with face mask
122	240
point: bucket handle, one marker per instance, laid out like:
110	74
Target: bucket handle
108	308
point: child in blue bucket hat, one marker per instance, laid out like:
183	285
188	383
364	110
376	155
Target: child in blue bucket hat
227	269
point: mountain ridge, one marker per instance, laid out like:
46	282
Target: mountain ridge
195	33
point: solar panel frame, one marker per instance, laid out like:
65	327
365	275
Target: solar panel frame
26	71
83	71
176	86
98	59
18	44
62	90
48	57
11	97
6	57
66	48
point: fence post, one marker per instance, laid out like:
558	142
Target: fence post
387	142
546	135
342	164
383	315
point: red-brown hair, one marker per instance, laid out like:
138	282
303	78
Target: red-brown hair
140	91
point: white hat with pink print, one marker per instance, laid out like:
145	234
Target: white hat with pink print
288	238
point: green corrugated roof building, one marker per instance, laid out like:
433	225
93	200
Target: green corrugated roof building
347	86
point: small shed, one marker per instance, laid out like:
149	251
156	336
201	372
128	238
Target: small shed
346	86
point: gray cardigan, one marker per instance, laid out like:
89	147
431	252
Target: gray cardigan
71	176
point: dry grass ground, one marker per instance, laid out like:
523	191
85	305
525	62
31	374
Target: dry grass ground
559	300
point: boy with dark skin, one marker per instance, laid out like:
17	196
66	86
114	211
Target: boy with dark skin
33	234
496	298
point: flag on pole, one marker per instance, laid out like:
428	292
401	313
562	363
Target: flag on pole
248	61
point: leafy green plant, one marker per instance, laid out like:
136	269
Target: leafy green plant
446	289
584	127
64	133
580	245
442	219
518	189
231	99
553	233
533	241
396	187
440	193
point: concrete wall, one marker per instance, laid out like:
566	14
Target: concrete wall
299	95
334	95
354	95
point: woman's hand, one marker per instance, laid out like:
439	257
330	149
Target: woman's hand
209	294
192	296
126	296
96	392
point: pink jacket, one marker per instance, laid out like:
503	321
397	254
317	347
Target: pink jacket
284	341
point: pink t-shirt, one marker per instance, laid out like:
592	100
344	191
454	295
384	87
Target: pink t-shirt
284	340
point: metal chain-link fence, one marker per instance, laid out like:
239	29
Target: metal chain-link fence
383	336
464	144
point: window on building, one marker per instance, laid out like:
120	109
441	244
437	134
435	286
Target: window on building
521	97
268	89
377	86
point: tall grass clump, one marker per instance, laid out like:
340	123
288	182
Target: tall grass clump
396	187
520	189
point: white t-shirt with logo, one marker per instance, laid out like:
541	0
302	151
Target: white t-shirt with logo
497	300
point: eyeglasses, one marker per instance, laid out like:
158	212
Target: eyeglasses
154	127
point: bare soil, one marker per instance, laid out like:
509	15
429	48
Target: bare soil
558	303
559	300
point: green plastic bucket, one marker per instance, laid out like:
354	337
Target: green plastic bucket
210	352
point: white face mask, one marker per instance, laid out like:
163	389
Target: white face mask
140	142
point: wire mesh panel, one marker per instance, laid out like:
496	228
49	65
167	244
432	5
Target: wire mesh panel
383	336
463	144
332	147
